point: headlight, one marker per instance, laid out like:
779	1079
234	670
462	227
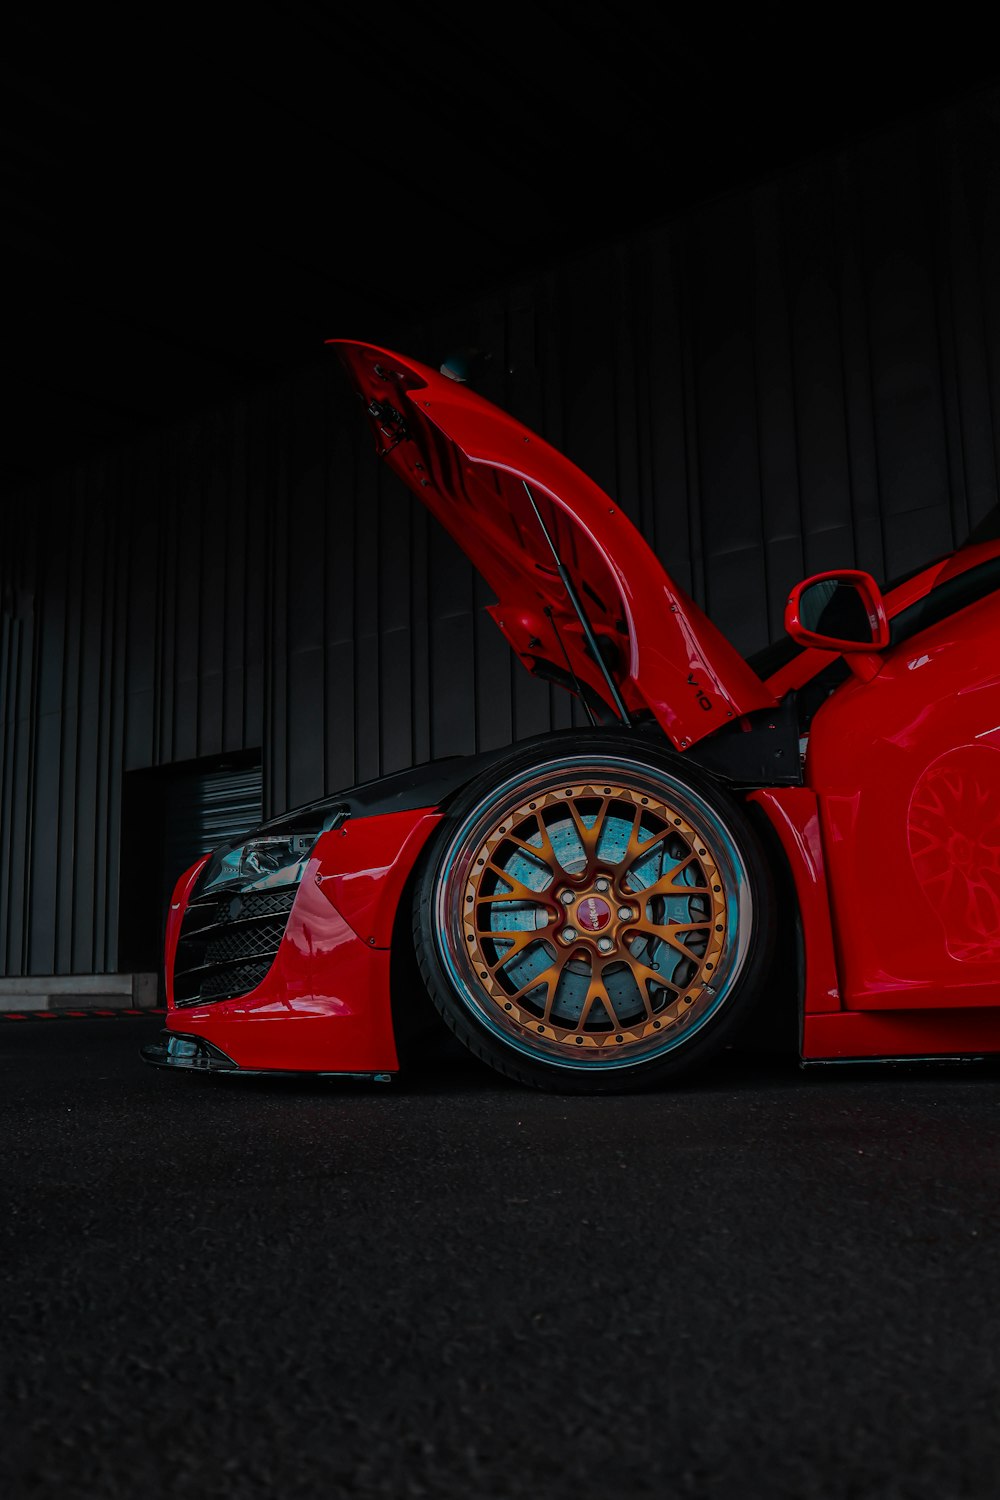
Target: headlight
266	856
261	862
264	860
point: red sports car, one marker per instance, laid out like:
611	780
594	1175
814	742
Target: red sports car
605	908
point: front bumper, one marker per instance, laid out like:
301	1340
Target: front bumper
324	1005
173	1049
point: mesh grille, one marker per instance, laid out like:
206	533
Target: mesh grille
245	940
227	984
228	943
222	911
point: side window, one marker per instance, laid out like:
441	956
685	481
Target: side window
947	599
780	652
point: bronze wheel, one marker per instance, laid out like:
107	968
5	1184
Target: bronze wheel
592	917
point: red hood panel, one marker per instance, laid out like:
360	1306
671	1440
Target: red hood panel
468	461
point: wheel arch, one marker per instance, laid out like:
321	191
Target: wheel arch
774	1025
418	1029
777	1023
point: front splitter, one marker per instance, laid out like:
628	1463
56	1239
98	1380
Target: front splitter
173	1049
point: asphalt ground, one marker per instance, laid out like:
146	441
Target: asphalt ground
768	1283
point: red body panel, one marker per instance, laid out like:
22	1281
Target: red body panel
468	462
175	916
794	814
829	1032
857	1036
908	770
365	864
325	1005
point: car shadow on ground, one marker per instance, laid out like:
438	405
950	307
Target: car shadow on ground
737	1070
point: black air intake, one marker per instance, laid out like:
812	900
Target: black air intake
228	943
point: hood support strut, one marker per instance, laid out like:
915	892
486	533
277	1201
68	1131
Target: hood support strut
580	613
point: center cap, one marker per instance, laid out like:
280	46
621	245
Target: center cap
593	914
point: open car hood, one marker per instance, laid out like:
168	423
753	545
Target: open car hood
498	489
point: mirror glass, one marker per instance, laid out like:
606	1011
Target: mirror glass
836	609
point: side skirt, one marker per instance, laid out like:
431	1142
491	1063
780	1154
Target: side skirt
876	1036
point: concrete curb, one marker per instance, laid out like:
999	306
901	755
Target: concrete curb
42	994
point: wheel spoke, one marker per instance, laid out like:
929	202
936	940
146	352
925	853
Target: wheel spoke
550	992
518	938
639	848
668	934
596	990
518	892
589	837
644	974
543	852
667	884
637	969
535	852
550	978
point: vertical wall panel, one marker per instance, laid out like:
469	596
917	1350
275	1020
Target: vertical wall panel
859	408
777	414
345	432
728	453
816	352
971	178
797	376
910	429
304	597
658	314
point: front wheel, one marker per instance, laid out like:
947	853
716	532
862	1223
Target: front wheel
594	920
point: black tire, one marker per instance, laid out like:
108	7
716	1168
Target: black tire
603	956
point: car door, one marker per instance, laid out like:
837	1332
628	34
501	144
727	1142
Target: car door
907	771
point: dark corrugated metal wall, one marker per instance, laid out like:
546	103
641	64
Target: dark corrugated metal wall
797	377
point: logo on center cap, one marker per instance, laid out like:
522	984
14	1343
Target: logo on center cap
594	914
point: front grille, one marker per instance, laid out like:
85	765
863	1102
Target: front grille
219	985
247	941
228	943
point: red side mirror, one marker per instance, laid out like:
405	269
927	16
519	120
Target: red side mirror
842	611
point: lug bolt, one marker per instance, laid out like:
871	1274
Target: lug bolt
624	912
568	934
602	885
567	898
605	945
